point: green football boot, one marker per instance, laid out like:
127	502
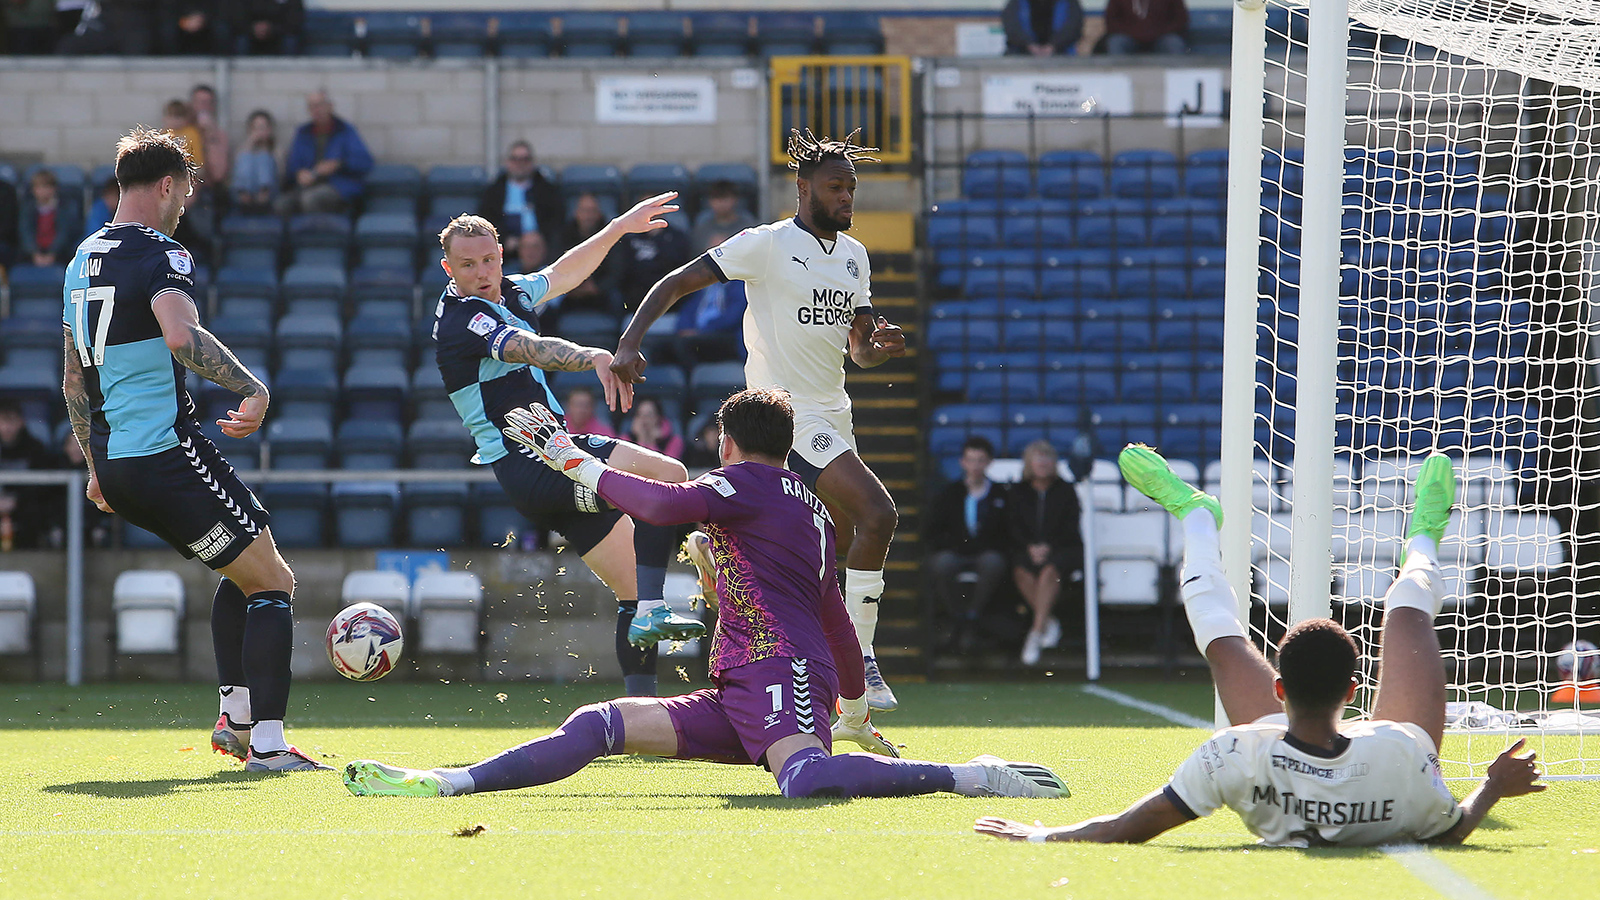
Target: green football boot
369	778
1146	470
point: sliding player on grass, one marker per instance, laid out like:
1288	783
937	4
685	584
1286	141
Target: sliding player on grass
781	633
810	290
1289	767
493	360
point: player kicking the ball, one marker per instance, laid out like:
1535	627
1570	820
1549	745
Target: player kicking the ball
810	290
1289	767
783	649
493	359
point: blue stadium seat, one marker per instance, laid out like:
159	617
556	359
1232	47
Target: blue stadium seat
1206	173
375	391
243	333
436	513
298	444
328	34
313	281
38	282
1144	174
305	393
497	521
664	383
384	290
658	178
378	341
946	440
715	381
1072	175
523	35
456	35
429	400
967	415
299	513
852	33
740	175
309	342
257	232
364	513
968	334
466	181
657	35
387	229
605	182
1179	385
370	444
1002	282
233	281
439	444
590	35
787	34
975	233
997	173
33	341
393	35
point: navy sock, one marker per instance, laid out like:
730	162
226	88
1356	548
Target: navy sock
638	666
227	633
268	642
652	550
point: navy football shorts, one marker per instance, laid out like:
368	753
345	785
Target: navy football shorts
552	500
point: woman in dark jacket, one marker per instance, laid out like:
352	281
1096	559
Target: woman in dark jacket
1044	529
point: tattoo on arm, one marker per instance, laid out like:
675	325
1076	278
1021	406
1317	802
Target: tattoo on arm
549	353
76	394
211	359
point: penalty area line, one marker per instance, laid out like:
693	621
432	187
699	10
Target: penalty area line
1434	872
1174	716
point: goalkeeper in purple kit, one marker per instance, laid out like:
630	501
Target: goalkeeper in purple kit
783	651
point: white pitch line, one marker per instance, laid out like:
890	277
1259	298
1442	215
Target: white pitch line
1155	709
1416	859
1434	872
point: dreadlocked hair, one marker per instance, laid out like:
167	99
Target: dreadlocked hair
807	151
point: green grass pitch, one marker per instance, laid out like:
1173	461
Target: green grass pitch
112	791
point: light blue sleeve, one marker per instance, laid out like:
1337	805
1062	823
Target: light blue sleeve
535	284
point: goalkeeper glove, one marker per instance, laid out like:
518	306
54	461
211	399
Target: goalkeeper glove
855	725
540	431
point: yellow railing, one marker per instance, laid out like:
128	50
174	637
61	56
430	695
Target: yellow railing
834	95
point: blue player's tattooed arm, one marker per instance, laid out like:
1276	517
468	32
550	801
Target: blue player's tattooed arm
77	395
203	354
552	354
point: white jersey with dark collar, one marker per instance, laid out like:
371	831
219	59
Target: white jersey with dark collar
1381	784
804	293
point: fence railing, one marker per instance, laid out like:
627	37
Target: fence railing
834	95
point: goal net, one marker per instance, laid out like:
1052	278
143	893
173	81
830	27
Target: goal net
1468	231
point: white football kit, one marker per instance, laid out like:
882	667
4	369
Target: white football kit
1383	785
804	293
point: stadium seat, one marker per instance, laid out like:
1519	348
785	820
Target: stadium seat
37	282
32	342
458	181
715	381
309	342
307	281
375	391
428	397
364	513
388	589
298	513
439	444
17	606
1206	173
997	173
1071	175
852	33
522	35
328	34
457	35
147	606
721	34
387	229
298	444
379	342
305	393
392	35
370	444
590	35
605	182
497	522
787	34
1144	174
658	178
449	609
383	291
657	35
436	513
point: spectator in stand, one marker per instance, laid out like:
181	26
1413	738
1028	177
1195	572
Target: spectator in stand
579	406
595	293
521	200
50	228
214	142
188	27
10	218
645	258
124	27
702	451
968	532
533	253
104	208
327	163
255	169
723	217
266	26
1042	27
177	117
649	428
24	510
1047	542
30	26
710	319
1146	26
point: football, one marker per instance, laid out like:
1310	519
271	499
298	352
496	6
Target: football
1578	661
364	642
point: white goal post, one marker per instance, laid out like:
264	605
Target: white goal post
1413	266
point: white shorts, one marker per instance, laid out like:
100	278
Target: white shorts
822	436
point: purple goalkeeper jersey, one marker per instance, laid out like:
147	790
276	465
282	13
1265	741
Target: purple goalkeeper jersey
773	544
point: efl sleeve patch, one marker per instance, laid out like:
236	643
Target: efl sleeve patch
717	483
482	324
181	262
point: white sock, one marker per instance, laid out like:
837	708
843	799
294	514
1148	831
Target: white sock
234	702
267	736
460	780
646	606
971	780
1208	598
862	591
1424	545
1418	584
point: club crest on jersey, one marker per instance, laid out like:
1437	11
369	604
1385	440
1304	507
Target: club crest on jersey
851	267
481	324
821	442
597	441
181	263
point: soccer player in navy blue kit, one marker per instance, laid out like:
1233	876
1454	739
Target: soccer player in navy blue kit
132	330
493	359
